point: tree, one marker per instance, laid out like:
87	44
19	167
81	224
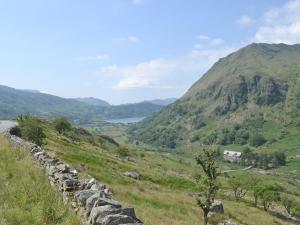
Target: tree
288	203
257	140
268	194
62	125
207	181
239	186
31	129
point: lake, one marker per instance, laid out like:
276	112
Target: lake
126	120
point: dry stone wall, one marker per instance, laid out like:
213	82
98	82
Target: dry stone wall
88	197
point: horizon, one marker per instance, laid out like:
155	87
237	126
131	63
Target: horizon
129	51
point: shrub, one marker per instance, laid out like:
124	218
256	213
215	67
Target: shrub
123	152
31	129
296	211
257	140
62	125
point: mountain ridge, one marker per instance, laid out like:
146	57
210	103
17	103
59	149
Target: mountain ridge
257	79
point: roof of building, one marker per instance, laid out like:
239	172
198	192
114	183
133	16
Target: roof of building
232	153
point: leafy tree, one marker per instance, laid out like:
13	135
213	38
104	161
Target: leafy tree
288	203
31	129
207	181
268	195
239	186
62	125
257	140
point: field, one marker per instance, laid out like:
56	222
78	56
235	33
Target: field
164	194
26	195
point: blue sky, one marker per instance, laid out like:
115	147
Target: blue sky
130	50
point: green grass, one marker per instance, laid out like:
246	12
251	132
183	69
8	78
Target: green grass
161	196
26	195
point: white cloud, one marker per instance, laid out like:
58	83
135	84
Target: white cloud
132	39
208	41
162	73
99	57
245	21
281	24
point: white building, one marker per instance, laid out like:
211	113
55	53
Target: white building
232	156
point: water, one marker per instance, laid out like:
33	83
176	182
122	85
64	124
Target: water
6	124
126	120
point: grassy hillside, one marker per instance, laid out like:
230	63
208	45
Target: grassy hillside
26	195
162	196
255	90
15	102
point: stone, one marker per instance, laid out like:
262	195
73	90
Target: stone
70	184
63	168
100	212
217	207
82	196
115	219
97	187
106	201
133	175
229	222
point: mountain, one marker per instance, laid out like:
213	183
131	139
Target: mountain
251	94
93	101
14	102
163	102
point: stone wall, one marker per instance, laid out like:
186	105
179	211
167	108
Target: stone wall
89	198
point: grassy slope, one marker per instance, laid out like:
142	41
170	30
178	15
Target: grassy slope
228	94
26	195
160	198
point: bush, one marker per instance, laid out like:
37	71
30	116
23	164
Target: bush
62	125
31	129
123	152
257	140
296	211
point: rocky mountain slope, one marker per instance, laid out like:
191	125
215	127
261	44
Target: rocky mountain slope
255	90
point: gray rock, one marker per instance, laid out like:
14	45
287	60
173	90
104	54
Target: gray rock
100	212
115	219
82	196
97	187
229	222
133	175
105	201
217	207
63	168
70	184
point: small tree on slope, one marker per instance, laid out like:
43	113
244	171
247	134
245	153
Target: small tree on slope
207	181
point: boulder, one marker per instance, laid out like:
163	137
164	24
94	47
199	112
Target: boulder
217	207
100	212
115	219
82	196
229	222
133	175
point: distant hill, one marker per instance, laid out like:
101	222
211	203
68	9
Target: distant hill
14	102
251	94
93	101
163	102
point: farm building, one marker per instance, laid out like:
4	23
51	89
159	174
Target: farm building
232	156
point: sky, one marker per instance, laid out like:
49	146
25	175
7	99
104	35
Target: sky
126	51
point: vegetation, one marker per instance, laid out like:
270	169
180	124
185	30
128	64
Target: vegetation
31	129
167	186
62	125
15	102
263	160
207	181
26	195
250	97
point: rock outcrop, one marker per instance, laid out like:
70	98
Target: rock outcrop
88	197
